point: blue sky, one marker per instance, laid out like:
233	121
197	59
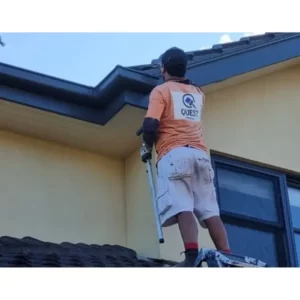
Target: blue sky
87	58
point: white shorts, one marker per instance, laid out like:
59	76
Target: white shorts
185	182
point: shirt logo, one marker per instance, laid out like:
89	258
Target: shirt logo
189	101
187	106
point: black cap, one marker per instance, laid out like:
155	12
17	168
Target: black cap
173	57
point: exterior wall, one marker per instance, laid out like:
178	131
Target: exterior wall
141	234
258	120
56	193
255	120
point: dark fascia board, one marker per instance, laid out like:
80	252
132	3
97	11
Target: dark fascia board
99	116
126	86
43	84
121	79
113	84
94	105
26	75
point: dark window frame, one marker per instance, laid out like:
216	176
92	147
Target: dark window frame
293	182
285	244
295	186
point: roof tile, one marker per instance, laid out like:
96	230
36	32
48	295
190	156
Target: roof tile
220	50
30	252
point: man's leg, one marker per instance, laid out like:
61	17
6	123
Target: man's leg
208	215
206	205
217	233
175	172
182	211
188	227
189	232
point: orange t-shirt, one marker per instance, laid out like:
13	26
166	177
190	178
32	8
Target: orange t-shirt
178	107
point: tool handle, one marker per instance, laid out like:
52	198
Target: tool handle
159	230
139	131
160	234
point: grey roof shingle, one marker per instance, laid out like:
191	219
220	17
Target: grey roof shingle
219	51
30	252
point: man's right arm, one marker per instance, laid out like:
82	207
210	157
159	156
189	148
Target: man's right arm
151	123
152	118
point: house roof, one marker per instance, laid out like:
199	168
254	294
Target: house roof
30	252
132	85
219	51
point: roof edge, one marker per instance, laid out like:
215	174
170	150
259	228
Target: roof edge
12	71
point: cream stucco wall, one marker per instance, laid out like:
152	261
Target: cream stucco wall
139	212
257	120
57	193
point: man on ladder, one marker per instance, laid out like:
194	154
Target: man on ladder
185	178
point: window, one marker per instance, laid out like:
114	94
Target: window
247	194
254	208
294	201
255	243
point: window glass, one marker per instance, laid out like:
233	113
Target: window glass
246	241
297	242
294	198
246	195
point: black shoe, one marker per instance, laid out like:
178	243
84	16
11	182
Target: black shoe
190	259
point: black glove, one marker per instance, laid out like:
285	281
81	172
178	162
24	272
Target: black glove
146	153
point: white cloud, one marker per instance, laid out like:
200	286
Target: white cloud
253	33
225	38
